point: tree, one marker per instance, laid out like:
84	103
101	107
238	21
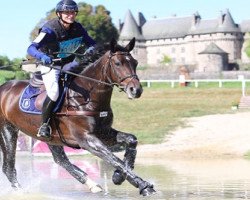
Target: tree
7	64
4	61
247	49
15	63
96	20
166	59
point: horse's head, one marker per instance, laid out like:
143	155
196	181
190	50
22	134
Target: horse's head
122	70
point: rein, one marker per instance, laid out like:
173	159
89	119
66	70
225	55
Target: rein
71	73
110	83
82	76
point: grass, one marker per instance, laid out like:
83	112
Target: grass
161	109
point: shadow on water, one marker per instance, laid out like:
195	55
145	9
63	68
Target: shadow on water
42	179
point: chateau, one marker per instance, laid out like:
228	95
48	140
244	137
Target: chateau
201	44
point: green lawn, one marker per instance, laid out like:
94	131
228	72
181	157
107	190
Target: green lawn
161	108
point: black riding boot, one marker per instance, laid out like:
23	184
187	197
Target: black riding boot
45	130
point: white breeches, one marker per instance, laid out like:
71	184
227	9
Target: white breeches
51	78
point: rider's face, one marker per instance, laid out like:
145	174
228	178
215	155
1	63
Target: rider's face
68	16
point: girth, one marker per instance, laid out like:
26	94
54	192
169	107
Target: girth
83	112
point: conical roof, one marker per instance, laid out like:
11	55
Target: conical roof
228	24
130	28
212	48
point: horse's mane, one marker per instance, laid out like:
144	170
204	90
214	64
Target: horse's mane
88	60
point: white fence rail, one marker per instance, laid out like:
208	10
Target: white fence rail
198	81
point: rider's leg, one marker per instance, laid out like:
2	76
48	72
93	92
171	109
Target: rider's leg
50	79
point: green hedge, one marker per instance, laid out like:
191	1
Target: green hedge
6	75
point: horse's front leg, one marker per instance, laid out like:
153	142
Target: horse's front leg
61	158
96	147
130	143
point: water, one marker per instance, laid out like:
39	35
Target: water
210	179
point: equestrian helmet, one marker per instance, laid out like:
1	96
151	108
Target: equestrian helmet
66	5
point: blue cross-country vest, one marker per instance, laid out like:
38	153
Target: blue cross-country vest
67	41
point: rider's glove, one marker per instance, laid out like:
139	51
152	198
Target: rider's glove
46	60
90	50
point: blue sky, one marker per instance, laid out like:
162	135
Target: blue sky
19	17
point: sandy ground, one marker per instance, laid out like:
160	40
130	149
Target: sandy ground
212	136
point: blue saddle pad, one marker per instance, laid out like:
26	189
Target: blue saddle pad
28	97
27	100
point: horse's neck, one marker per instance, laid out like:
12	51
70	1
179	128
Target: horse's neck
99	93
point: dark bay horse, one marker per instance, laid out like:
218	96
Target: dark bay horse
83	122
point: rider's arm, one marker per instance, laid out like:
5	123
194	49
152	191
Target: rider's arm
45	36
87	39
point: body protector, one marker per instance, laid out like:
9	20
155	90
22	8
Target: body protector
67	41
59	42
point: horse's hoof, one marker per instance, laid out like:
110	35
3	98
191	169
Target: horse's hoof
96	189
149	190
118	177
16	186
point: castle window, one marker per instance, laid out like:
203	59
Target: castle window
182	49
173	50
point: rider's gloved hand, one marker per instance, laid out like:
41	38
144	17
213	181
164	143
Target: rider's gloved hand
46	60
90	50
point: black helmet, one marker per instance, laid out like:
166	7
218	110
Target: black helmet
66	5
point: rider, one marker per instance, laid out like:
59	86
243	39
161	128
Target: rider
62	34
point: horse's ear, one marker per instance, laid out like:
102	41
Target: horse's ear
130	45
113	44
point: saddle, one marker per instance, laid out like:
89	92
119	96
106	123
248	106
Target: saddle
33	96
37	82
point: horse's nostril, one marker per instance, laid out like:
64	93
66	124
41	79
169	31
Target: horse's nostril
136	92
133	90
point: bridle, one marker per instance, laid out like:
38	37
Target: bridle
109	64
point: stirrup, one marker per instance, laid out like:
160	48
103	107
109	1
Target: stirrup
44	131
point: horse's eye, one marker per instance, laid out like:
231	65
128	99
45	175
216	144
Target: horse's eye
117	63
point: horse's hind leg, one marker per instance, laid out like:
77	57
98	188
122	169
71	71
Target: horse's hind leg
8	142
61	159
130	143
